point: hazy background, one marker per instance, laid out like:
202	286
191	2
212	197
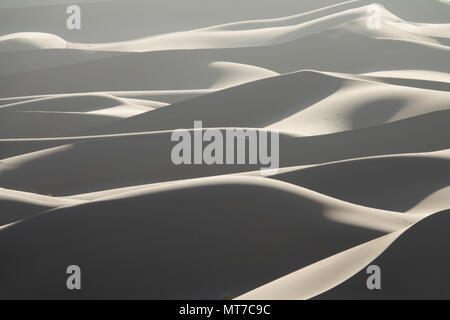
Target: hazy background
139	18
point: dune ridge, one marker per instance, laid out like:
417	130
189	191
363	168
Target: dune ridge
256	33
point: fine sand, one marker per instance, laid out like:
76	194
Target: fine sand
86	175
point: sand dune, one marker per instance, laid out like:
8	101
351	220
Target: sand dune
408	266
341	277
208	73
362	104
86	175
357	104
437	201
219	37
142	234
135	14
163	96
323	275
16	62
249	34
124	73
18	205
411	178
317	49
65	114
140	18
423	76
103	162
31	40
307	95
299	90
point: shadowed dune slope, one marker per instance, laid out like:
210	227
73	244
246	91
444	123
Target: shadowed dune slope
82	165
395	183
332	50
64	115
254	104
415	266
221	225
119	161
15	62
369	101
299	102
16	205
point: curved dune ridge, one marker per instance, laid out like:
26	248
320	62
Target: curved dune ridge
411	253
245	34
110	224
86	175
405	254
31	40
412	177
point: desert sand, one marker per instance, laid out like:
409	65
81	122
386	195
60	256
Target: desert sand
86	176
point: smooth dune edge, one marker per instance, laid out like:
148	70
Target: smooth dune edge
224	36
323	275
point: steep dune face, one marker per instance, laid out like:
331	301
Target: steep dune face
307	98
437	201
323	275
371	102
344	276
413	267
87	178
257	104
